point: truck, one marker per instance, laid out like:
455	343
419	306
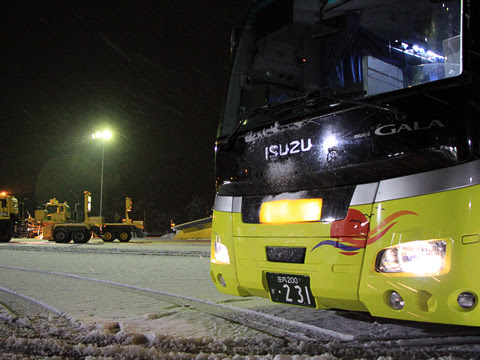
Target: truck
9	218
54	212
55	224
123	231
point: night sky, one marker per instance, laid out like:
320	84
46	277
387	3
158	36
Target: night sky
153	72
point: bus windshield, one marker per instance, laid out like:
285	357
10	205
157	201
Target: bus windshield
292	48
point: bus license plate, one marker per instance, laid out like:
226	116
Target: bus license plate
290	289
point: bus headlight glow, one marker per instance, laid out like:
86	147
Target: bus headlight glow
290	211
417	257
221	254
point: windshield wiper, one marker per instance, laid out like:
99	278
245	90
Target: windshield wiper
325	3
349	98
241	122
268	108
399	116
310	99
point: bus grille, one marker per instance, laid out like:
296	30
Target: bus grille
294	255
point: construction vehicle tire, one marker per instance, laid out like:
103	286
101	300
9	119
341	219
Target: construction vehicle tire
108	236
124	236
80	237
61	236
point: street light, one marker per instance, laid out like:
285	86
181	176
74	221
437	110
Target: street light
104	135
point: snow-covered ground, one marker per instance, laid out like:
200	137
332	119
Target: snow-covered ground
153	298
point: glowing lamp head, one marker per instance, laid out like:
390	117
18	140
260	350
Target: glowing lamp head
221	254
105	134
421	258
291	211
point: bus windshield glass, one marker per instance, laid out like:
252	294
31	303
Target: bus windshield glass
291	48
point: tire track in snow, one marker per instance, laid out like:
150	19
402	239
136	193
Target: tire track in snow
47	335
41	335
270	324
298	337
36	302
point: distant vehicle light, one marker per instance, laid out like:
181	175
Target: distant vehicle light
416	257
290	211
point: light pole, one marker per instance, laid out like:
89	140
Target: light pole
104	135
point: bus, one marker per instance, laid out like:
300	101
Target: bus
348	159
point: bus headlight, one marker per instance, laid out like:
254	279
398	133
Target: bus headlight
417	257
221	254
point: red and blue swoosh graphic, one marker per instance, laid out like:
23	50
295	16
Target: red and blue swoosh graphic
352	233
338	245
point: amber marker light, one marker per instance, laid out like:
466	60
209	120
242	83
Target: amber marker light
290	211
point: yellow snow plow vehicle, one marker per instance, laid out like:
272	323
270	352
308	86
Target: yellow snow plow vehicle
9	218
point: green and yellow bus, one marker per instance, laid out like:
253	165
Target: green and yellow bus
348	159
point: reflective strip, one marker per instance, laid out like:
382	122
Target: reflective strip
223	203
228	203
364	194
450	178
237	204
